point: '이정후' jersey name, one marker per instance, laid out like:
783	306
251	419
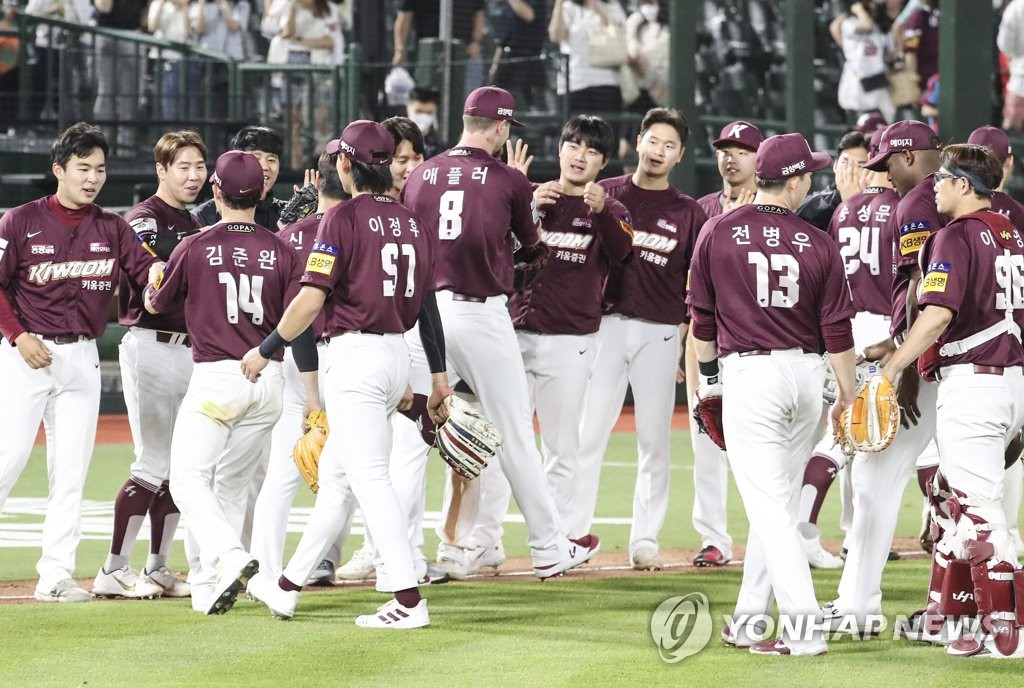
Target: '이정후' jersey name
46	272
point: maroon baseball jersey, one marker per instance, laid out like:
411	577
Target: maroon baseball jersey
300	236
971	270
61	280
235	280
161	227
712	203
862	229
921	34
771	279
915	218
565	298
473	204
376	259
652	286
1006	205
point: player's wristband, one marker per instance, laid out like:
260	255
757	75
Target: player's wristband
708	372
272	344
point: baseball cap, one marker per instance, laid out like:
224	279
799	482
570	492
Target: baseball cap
994	138
493	103
876	141
239	174
870	122
364	141
787	155
739	133
907	134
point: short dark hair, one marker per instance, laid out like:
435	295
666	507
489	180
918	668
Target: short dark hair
404	129
979	162
770	184
425	94
330	184
669	116
371	177
240	202
173	142
854	139
253	137
591	131
79	140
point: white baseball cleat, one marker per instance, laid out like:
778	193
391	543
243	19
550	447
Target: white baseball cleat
486	558
646	559
834	621
171	585
454	561
66	590
574	553
233	573
780	647
393	615
817	556
359	567
280	602
124	582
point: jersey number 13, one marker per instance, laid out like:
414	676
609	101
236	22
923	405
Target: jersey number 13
776	275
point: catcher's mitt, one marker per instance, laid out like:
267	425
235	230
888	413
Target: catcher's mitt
301	204
527	264
308	447
871	421
863	371
466	440
708	413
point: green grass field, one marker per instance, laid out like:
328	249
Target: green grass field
574	631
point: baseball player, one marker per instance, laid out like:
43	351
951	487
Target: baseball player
358	243
60	260
474	204
267	146
234	279
270	516
736	150
972	308
156	364
558	314
820	206
638	340
909	152
763	296
861	228
997	140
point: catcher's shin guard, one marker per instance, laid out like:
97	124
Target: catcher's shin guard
957	596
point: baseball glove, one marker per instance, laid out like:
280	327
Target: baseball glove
1015	449
527	264
863	371
708	413
301	204
308	447
466	440
871	421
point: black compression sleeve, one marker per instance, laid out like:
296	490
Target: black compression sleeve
307	359
432	334
272	344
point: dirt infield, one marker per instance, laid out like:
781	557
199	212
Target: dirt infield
113	429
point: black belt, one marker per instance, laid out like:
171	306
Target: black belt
755	352
173	338
466	297
65	338
327	340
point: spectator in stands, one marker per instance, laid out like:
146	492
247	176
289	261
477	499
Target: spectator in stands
220	25
591	89
853	152
518	65
168	20
864	84
422	108
423	18
49	41
119	70
10	47
921	41
1011	42
645	84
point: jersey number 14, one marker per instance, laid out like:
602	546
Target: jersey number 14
245	295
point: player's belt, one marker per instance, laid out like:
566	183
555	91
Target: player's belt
466	297
755	352
973	369
64	338
173	338
327	340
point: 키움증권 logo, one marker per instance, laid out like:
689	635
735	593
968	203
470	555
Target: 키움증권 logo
681	626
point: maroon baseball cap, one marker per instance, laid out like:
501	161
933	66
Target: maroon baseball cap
238	173
493	103
787	155
994	138
739	133
876	141
870	122
905	135
364	141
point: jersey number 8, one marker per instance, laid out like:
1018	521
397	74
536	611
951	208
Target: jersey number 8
450	226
